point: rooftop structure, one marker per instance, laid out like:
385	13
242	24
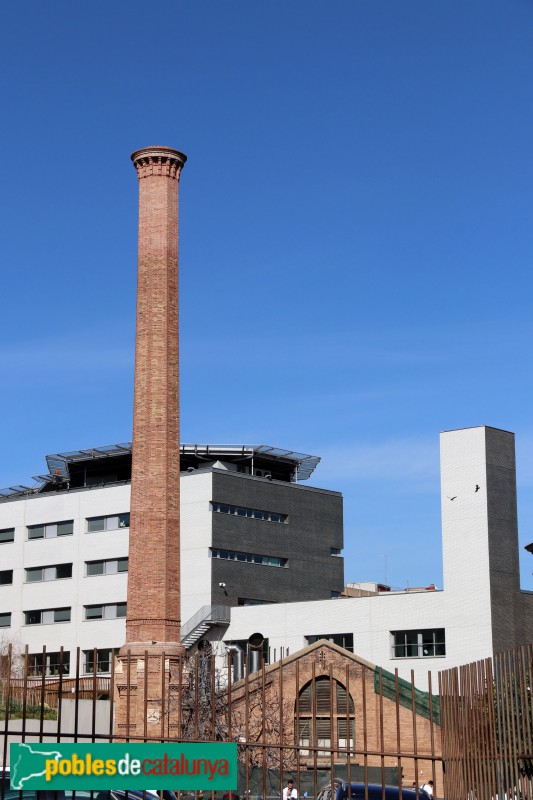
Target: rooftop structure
108	464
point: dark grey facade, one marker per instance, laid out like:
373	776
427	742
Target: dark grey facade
311	532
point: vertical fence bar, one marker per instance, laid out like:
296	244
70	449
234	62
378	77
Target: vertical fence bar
25	693
297	721
432	734
60	693
398	734
349	745
415	741
314	732
381	734
263	726
94	696
281	729
42	694
128	694
7	701
364	671
77	694
112	696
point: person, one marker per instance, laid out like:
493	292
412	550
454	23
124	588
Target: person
289	792
427	787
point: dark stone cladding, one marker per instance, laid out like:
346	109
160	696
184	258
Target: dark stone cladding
314	526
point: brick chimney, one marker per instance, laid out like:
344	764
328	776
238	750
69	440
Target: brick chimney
148	663
153	613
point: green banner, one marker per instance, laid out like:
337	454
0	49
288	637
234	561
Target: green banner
204	766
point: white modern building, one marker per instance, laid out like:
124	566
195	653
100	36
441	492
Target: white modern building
261	554
481	609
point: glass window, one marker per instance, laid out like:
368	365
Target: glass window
94	612
254	513
34	574
5	619
96	524
121	609
51	530
122	565
64	571
62	615
109	523
103	660
7	535
54	664
65	528
95	567
33	617
419	644
6	577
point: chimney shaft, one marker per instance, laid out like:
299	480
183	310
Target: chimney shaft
153	613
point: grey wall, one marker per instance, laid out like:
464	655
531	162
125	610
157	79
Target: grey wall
509	606
314	526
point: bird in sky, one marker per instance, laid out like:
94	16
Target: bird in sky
477	487
451	498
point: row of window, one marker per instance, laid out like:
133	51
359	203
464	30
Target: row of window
51	664
54	572
51	530
251	558
48	616
253	513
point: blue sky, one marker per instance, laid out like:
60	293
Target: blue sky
356	238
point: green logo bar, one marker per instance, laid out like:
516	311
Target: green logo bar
205	766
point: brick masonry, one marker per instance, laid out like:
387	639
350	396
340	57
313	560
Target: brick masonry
154	567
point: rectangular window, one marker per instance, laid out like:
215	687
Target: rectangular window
110	566
427	643
5	619
47	616
106	611
49	664
103	661
251	558
253	513
342	639
110	523
335	551
6	577
7	535
51	530
51	573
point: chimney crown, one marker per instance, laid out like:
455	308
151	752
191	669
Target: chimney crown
158	160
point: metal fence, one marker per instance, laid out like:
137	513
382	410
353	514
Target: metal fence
319	717
487	723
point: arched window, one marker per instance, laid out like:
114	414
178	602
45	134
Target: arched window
323	711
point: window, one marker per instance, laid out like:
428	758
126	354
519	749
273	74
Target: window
252	513
250	558
47	616
249	601
342	639
51	530
109	566
103	661
6	577
49	664
323	714
5	619
106	611
335	551
335	595
52	573
7	535
111	523
418	644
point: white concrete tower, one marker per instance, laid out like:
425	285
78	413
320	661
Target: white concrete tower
480	540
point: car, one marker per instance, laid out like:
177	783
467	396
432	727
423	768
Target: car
7	793
374	791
